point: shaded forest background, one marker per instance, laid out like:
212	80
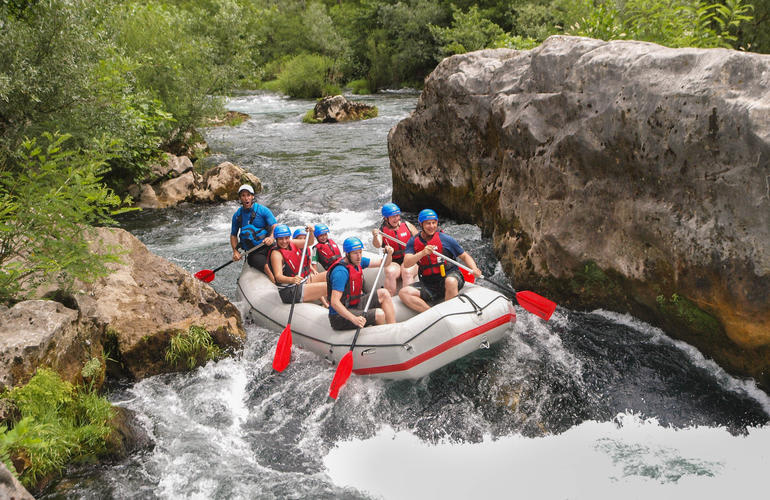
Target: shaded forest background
92	92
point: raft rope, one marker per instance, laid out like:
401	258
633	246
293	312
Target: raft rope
477	310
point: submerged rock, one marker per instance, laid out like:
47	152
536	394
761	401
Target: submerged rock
621	175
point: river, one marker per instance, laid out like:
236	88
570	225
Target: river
588	405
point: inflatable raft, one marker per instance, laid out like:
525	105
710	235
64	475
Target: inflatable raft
413	347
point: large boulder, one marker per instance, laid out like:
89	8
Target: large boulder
129	316
622	175
146	300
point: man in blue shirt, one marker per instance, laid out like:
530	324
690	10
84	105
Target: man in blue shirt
439	280
346	297
252	224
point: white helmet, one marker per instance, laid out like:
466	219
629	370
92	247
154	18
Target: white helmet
247	187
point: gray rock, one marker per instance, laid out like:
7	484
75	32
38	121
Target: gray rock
44	333
622	175
10	487
333	109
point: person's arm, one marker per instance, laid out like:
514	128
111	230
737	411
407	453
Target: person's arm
388	257
310	235
411	258
411	227
234	244
276	264
343	311
269	240
376	240
468	261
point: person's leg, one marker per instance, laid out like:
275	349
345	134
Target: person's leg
410	296
314	291
408	275
386	305
450	287
391	275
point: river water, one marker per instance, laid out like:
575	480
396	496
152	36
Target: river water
588	405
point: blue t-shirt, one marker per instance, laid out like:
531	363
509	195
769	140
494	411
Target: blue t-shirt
340	277
449	246
264	218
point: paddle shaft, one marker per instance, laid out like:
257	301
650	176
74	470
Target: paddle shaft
462	266
369	299
299	272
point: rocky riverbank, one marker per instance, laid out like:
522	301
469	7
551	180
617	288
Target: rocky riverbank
621	175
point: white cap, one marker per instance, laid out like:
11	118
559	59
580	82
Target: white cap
247	188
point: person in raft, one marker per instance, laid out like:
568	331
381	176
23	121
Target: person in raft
285	259
301	234
345	282
439	280
252	224
327	252
393	226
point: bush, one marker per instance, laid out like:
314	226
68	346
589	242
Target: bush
60	424
308	76
359	87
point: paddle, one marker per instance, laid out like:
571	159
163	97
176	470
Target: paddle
283	349
345	366
207	275
532	302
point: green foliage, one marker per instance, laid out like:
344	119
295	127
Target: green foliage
679	23
308	76
683	309
469	32
359	87
192	348
60	424
310	117
48	208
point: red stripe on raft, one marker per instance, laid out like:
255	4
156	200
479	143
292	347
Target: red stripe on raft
436	350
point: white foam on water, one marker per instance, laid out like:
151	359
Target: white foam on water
628	458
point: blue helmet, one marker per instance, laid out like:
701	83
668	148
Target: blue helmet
281	231
390	209
351	244
426	214
299	232
320	229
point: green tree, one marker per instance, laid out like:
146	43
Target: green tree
48	210
469	31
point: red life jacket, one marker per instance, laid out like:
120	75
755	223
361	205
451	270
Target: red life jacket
327	253
354	288
401	233
428	265
291	258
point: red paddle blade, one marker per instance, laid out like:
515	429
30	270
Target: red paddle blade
283	350
206	275
468	276
536	304
344	369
